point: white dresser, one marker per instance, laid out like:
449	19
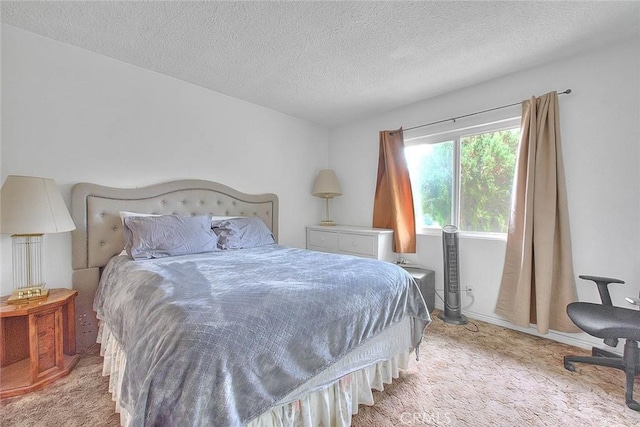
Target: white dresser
365	242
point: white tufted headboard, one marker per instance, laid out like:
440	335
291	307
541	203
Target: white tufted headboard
98	235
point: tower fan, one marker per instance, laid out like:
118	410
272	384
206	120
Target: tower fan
452	309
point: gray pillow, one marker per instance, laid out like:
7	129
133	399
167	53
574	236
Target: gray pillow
243	232
168	235
125	230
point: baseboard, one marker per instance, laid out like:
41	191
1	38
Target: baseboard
580	340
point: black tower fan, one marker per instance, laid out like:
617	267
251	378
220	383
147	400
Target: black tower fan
452	309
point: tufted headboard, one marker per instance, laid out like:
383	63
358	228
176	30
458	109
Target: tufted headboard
98	235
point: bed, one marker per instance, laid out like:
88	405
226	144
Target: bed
253	334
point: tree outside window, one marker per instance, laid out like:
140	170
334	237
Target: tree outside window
465	181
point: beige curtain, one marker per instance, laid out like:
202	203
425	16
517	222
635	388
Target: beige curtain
538	280
393	203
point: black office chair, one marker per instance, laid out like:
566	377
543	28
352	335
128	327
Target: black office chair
610	323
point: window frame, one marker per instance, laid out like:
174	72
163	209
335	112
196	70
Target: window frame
455	135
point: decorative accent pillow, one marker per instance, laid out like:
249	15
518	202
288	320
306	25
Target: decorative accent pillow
169	235
242	232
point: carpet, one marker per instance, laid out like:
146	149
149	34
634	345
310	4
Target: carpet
492	377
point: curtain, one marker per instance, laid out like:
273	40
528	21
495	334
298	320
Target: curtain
537	279
393	203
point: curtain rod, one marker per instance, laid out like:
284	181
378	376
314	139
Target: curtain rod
566	92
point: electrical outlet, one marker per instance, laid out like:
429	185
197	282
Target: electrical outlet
84	324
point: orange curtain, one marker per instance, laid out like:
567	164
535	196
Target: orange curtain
393	203
537	279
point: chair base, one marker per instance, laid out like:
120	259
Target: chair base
629	363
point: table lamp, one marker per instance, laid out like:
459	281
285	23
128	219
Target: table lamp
30	207
327	187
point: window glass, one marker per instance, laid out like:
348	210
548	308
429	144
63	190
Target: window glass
487	164
431	171
464	178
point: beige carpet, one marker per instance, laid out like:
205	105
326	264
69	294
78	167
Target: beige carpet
493	377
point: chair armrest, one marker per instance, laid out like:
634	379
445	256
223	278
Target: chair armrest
602	283
634	301
601	279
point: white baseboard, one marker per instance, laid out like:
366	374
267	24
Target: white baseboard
580	340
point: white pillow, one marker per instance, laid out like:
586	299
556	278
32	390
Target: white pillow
124	214
222	218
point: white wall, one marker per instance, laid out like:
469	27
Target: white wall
600	125
76	116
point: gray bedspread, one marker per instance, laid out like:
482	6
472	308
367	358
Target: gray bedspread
217	339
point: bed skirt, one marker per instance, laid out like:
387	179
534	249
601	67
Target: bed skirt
333	405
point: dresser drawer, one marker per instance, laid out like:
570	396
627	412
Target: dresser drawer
365	242
323	239
357	244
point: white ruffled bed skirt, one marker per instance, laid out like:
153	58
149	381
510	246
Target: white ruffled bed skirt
332	405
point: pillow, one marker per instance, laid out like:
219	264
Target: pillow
125	231
125	214
243	232
169	235
216	219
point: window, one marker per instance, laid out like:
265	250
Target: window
464	177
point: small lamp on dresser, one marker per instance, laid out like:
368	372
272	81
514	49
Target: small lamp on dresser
30	207
327	187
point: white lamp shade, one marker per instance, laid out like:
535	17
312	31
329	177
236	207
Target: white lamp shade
326	184
32	205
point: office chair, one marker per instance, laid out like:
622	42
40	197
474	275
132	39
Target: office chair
610	323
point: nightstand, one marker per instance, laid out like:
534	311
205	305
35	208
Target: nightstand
37	342
426	281
360	241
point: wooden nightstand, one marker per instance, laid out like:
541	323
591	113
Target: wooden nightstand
37	342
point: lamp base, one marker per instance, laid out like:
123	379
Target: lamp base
327	223
25	295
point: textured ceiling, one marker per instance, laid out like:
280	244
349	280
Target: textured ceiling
330	62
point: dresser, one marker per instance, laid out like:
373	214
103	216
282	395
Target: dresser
365	242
